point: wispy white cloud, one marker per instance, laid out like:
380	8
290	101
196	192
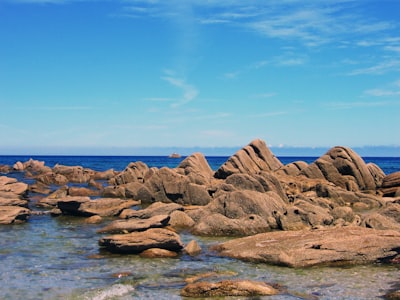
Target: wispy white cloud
189	91
232	75
381	93
57	108
217	133
358	104
264	95
269	114
378	69
390	90
41	1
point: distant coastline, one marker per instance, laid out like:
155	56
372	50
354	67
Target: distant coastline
365	151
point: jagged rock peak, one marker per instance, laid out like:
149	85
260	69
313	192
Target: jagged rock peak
251	159
343	167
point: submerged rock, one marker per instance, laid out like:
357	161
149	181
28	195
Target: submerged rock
306	248
228	288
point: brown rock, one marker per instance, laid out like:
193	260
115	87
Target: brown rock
13	214
115	191
137	242
228	288
52	199
158	253
239	213
11	185
155	209
76	174
94	220
105	175
292	169
134	224
180	220
197	169
344	168
333	246
82	191
13	202
391	185
134	172
83	206
52	178
192	248
251	159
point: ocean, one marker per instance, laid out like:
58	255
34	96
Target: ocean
59	258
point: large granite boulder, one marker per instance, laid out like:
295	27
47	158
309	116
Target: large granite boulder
75	174
251	159
13	214
84	206
196	168
134	172
306	248
167	185
391	185
137	242
240	212
344	168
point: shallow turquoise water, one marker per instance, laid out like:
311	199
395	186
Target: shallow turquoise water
59	258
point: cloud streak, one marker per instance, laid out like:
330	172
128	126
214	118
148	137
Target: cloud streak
189	91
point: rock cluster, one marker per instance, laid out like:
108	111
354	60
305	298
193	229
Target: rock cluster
13	202
336	210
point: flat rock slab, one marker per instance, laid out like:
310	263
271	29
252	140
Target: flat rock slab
13	202
104	207
13	214
228	288
306	248
130	225
137	242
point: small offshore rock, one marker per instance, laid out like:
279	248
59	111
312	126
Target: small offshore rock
192	248
96	219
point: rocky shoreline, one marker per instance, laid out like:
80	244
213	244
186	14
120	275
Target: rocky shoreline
337	210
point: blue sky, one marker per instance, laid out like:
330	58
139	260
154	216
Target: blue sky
126	74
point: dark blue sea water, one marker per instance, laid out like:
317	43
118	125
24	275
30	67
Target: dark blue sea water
118	163
59	258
